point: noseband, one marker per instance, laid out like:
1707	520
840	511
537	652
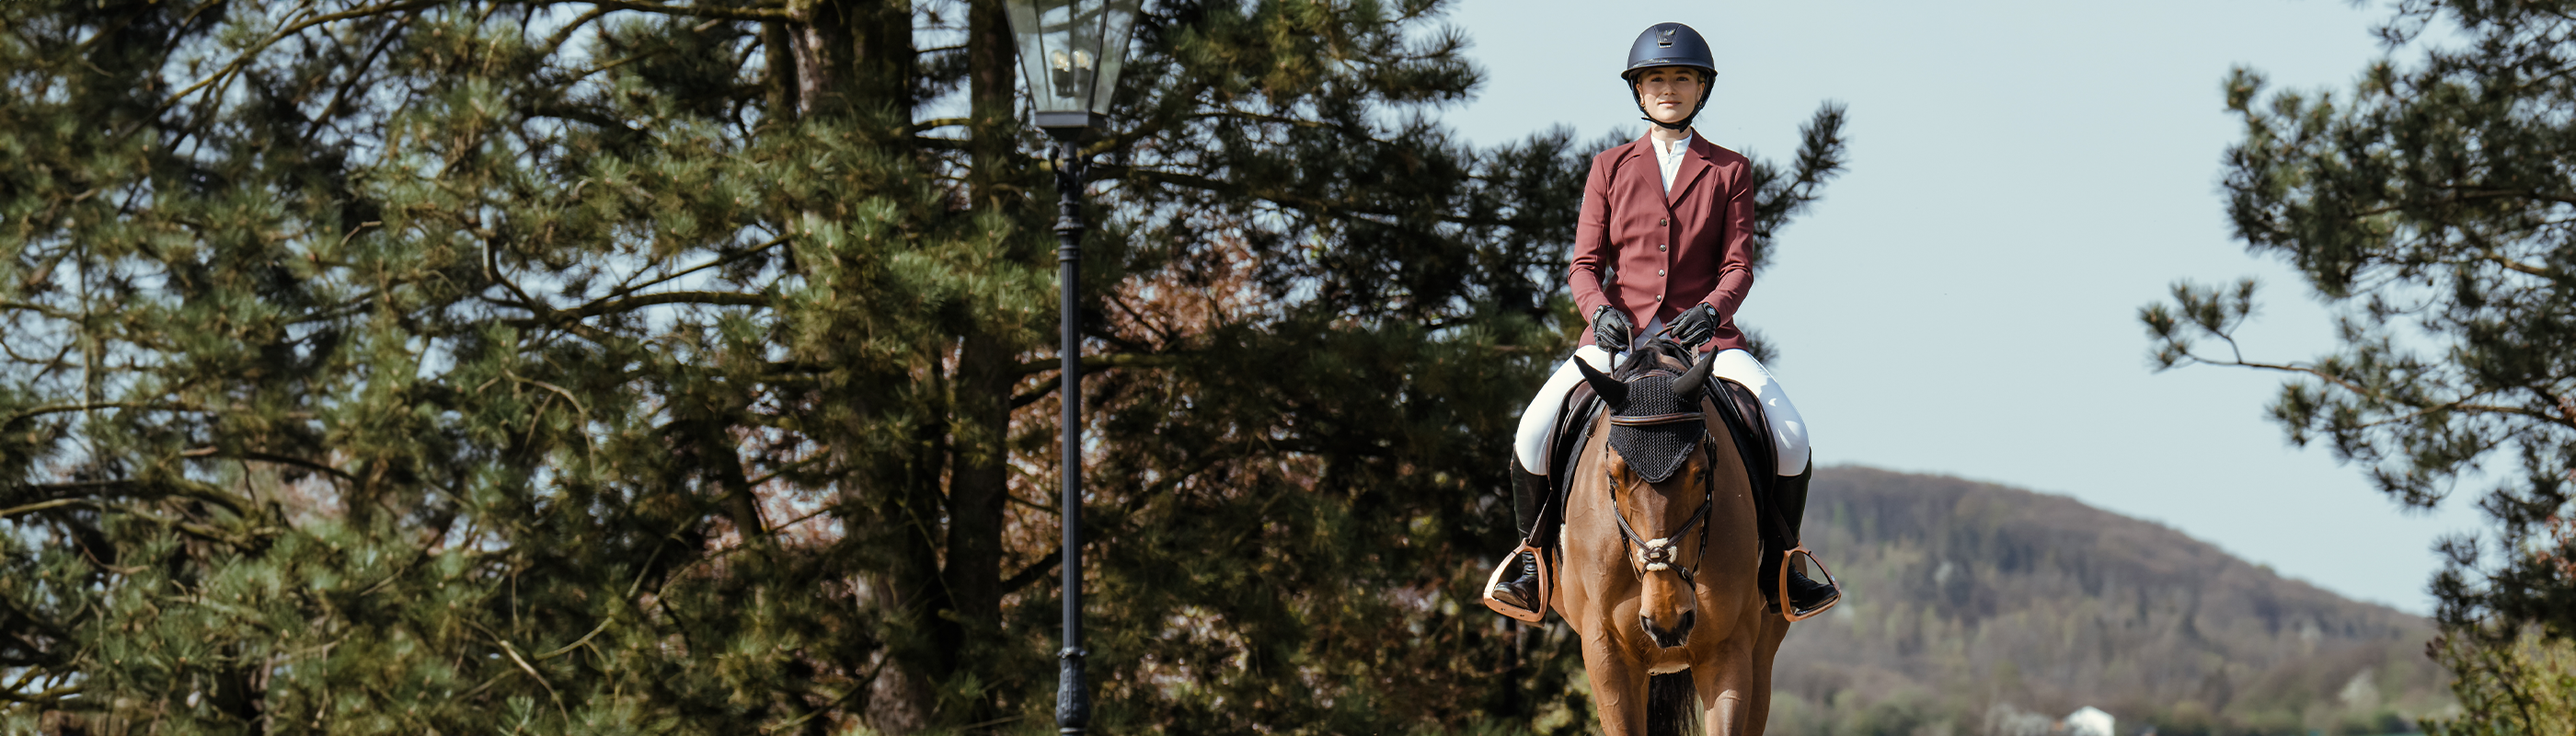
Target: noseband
1656	555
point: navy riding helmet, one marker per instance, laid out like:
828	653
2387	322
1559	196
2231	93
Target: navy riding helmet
1670	44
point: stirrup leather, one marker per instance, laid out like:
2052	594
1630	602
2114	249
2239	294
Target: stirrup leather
1787	559
1546	585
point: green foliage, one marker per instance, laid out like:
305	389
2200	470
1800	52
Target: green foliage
448	367
2527	685
2430	202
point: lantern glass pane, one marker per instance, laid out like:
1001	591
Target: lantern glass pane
1117	21
1072	50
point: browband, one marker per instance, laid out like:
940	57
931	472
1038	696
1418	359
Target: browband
1655	419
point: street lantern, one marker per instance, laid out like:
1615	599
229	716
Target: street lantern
1071	52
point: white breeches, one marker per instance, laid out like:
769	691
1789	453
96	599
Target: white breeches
1736	365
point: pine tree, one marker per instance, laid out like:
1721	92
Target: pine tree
2430	202
421	366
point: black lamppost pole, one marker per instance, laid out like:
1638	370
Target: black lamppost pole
1071	52
1072	692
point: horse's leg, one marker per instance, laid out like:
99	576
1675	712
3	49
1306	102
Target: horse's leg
1729	697
1774	629
1618	685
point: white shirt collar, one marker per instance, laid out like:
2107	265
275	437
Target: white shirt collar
1669	161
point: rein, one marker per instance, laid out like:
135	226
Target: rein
1656	555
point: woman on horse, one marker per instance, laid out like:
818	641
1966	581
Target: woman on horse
1664	239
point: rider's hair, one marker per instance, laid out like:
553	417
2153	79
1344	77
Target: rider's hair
1697	74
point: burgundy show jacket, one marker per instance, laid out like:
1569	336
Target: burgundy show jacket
1668	252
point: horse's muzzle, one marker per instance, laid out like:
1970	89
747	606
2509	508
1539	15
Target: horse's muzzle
1669	638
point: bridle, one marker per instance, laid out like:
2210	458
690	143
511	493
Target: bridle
1656	555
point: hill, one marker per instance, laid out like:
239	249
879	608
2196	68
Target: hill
1975	607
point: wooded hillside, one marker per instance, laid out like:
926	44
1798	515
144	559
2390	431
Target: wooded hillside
1970	602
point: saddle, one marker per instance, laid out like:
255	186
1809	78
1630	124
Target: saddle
1736	405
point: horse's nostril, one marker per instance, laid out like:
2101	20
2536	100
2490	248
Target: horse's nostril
1672	637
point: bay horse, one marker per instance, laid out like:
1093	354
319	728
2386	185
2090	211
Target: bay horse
1659	553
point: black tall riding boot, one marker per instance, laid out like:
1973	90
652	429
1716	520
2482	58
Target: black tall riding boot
1805	596
1529	499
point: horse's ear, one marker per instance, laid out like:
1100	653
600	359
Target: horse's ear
1687	385
1610	389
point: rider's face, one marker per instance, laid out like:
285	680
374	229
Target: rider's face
1669	93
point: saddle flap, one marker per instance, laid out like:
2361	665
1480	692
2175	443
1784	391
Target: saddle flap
1745	418
1573	427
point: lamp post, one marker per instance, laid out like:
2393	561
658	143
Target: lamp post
1071	52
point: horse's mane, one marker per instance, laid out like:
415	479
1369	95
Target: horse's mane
1656	353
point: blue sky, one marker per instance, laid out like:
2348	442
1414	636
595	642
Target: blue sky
2024	175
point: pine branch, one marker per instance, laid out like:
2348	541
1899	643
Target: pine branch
273	458
51	697
562	35
48	312
624	290
1104	362
92	406
613	306
1288	199
1036	571
254	51
704	11
2422	409
41	505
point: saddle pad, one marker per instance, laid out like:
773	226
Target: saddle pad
1736	405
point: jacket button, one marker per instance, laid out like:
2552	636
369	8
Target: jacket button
1664	222
1659	297
1659	272
1661	246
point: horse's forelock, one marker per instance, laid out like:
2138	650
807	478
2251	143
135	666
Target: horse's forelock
1658	354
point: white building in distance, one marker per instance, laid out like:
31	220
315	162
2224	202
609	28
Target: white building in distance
2089	721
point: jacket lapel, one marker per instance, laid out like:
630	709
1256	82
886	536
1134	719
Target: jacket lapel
1693	165
1639	167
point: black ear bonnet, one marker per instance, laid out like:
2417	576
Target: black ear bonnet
1656	450
1655	419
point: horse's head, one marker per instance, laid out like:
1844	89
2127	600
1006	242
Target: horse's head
1661	481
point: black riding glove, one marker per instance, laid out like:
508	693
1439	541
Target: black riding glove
1611	328
1695	325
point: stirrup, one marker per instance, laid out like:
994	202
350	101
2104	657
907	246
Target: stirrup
1512	563
1790	558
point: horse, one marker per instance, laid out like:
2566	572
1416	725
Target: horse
1658	557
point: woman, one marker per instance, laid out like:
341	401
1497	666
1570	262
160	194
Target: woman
1664	238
